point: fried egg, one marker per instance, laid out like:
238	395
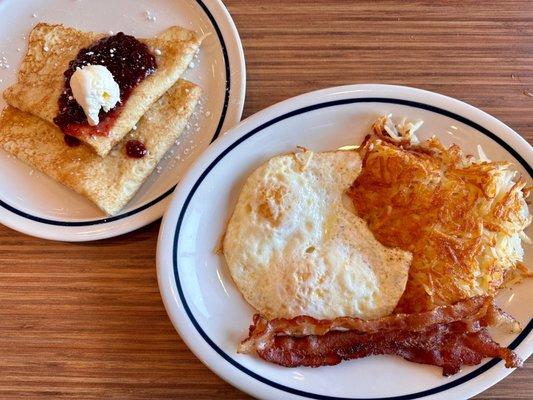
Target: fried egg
294	245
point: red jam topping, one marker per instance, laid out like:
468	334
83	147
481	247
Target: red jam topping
135	149
128	60
72	141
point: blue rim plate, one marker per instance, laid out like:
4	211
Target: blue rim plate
220	70
209	312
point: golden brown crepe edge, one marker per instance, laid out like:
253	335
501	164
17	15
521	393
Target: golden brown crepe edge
110	182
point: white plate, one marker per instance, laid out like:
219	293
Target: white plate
204	304
35	204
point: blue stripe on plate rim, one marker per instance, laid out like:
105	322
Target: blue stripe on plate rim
478	371
168	192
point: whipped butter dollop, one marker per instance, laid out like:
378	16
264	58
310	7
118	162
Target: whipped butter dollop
94	87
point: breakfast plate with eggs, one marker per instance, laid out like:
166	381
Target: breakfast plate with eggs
358	242
105	105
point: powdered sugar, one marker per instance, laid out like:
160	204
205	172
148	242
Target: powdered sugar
4	64
149	16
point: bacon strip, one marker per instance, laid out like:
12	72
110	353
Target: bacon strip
475	310
448	336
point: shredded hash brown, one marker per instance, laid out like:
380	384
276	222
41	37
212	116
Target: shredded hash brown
462	219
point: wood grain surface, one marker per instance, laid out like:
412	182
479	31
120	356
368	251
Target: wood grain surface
85	321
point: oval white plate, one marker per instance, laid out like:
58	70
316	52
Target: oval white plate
35	204
205	306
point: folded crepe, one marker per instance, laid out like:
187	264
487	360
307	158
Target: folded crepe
51	48
111	181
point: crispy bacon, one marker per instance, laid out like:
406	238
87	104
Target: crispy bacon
448	336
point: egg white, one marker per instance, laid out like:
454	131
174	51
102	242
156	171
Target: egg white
295	247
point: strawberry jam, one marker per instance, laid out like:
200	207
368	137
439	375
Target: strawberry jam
135	149
128	60
71	141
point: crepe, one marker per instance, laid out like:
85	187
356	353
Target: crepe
111	181
51	48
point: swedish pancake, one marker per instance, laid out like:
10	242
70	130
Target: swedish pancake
52	47
294	247
109	181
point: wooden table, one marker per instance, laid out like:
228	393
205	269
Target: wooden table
86	320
